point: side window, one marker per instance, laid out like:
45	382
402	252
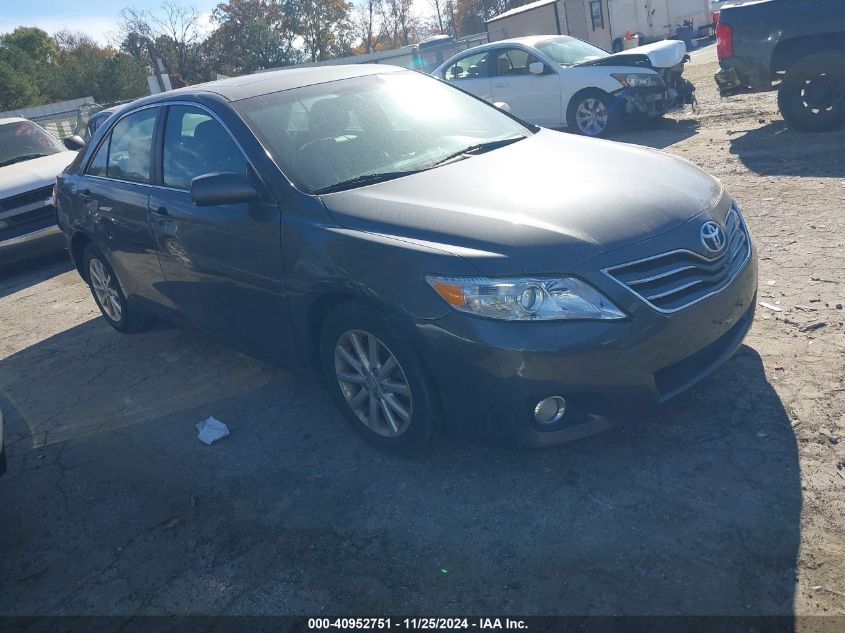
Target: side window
131	145
470	67
196	144
97	167
513	61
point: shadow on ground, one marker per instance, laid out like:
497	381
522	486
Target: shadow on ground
19	275
112	506
657	133
775	150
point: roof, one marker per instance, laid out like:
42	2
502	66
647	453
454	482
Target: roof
236	88
11	119
525	7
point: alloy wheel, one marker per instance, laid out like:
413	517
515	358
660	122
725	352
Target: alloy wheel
591	116
373	383
105	289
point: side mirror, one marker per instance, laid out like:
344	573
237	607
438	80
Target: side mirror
74	143
504	107
536	68
222	188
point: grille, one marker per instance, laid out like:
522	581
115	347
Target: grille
678	279
23	199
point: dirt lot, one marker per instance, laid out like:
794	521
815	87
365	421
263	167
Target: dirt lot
732	503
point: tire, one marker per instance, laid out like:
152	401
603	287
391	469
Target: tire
405	435
108	294
811	96
592	102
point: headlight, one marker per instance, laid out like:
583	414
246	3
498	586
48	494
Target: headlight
525	298
638	80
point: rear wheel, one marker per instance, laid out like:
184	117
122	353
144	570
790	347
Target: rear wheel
108	294
811	96
591	113
376	379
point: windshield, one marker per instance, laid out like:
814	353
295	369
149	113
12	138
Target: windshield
23	140
568	51
356	131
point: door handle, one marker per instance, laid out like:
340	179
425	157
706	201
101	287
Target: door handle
85	193
161	211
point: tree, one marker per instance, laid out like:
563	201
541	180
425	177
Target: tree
171	35
366	18
253	35
325	27
399	21
438	7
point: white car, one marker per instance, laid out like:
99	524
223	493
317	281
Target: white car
30	160
560	81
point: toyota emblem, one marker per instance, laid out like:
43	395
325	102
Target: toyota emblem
712	236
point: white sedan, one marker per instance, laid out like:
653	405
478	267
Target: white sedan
560	81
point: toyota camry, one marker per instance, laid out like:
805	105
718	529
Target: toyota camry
437	261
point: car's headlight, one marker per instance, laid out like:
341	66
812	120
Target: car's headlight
525	298
638	80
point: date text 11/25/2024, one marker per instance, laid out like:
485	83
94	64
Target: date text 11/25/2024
430	624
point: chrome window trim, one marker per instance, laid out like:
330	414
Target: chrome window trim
744	228
107	135
214	116
164	104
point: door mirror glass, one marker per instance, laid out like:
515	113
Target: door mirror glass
222	188
74	143
536	68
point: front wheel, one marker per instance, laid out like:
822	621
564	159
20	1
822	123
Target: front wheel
377	379
811	96
591	113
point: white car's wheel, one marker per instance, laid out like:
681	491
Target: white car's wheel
591	113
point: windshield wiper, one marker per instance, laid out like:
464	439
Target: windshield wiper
480	148
366	179
18	159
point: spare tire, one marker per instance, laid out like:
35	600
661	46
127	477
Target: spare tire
811	96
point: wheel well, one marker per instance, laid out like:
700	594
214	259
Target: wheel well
788	52
77	247
317	315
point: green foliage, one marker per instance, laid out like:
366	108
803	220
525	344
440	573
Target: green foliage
36	68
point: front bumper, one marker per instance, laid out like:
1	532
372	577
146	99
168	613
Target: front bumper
491	374
652	102
38	242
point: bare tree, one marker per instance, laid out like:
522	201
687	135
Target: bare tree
171	35
398	21
366	17
437	5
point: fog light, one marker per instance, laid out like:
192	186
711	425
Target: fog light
550	410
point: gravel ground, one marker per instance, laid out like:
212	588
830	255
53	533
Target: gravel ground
733	502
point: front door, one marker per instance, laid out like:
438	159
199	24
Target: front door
116	188
223	263
535	98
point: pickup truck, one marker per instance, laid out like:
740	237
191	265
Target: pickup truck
794	46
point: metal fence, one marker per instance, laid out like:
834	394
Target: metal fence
60	119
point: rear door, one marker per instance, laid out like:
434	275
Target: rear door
223	263
472	73
116	188
535	98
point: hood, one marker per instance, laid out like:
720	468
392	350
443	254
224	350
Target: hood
543	204
663	54
33	174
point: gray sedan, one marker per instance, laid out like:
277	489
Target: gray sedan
436	261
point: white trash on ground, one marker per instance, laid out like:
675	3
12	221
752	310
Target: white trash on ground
211	429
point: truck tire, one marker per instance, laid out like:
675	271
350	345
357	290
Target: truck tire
811	96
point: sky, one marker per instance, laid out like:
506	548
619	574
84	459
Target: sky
97	18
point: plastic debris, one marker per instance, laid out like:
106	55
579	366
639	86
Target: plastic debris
211	429
770	306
